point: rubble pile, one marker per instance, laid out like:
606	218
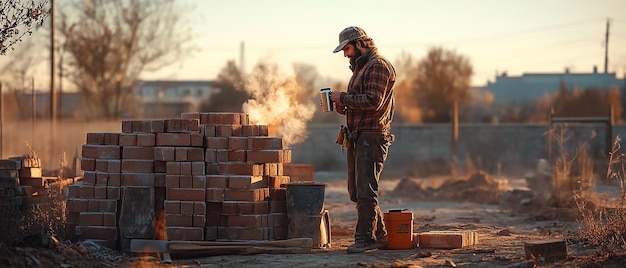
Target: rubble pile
479	188
204	176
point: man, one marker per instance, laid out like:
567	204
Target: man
368	106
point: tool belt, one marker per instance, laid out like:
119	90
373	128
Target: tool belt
346	138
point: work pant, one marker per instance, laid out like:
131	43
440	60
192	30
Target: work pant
365	161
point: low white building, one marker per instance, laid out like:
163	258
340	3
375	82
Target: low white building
166	98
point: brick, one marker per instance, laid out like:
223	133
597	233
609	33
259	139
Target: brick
213	207
180	154
159	180
146	139
199	221
100	192
109	219
210	233
113	192
138	179
278	194
173	168
237	156
107	205
138	152
115	179
102	165
85	192
176	125
101	151
111	138
164	153
197	168
185	194
178	220
214	194
267	156
299	172
246	182
249	130
172	206
199	208
195	154
197	140
237	143
137	166
235	168
244	220
88	164
216	181
208	130
222	155
95	138
198	181
244	207
114	166
96	232
90	218
265	143
211	169
216	142
157	126
72	190
186	207
242	233
277	181
173	139
210	155
127	126
223	130
264	130
185	233
172	181
186	181
128	139
160	166
277	206
246	194
77	204
447	239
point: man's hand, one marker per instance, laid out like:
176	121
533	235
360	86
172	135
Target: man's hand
335	96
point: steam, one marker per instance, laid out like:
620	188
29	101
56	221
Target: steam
278	100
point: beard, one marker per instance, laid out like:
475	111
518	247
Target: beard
357	54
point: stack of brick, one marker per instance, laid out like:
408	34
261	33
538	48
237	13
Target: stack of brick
214	176
12	195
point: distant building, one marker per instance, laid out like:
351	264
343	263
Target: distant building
163	98
69	104
516	90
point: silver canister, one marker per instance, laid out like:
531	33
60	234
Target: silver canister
327	104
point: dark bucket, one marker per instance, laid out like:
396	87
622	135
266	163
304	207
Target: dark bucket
306	216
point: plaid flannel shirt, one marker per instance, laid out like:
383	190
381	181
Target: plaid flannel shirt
370	97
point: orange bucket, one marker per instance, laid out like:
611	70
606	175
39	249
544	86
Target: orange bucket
399	229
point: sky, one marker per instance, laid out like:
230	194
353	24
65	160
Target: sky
513	36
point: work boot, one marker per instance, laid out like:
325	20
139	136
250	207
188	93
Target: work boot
361	247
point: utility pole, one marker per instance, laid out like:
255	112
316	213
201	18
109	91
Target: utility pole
606	45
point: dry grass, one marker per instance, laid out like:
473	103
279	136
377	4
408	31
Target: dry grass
604	223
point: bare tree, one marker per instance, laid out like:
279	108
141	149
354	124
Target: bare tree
437	81
110	43
18	19
231	95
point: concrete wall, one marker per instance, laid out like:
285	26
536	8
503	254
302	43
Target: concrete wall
426	149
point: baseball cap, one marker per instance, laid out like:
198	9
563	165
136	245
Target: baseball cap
349	34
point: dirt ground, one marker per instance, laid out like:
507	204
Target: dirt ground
501	235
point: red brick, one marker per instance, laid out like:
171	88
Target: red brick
199	220
278	206
213	207
137	152
185	233
157	126
249	130
164	153
237	156
180	154
77	205
111	138
208	130
89	178
214	194
224	118
246	194
107	205
172	207
178	220
197	140
172	181
211	169
115	179
210	155
96	232
115	166
137	166
244	220
216	181
267	156
72	190
88	164
216	142
95	138
244	207
101	151
127	126
100	192
173	168
237	143
113	192
222	155
243	233
146	140
195	154
197	168
199	181
199	208
277	181
235	168
182	125
186	181
102	165
185	194
109	219
223	130
246	182
138	179
278	194
173	139
128	139
265	143
236	130
86	192
264	130
186	207
90	219
185	168
160	167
